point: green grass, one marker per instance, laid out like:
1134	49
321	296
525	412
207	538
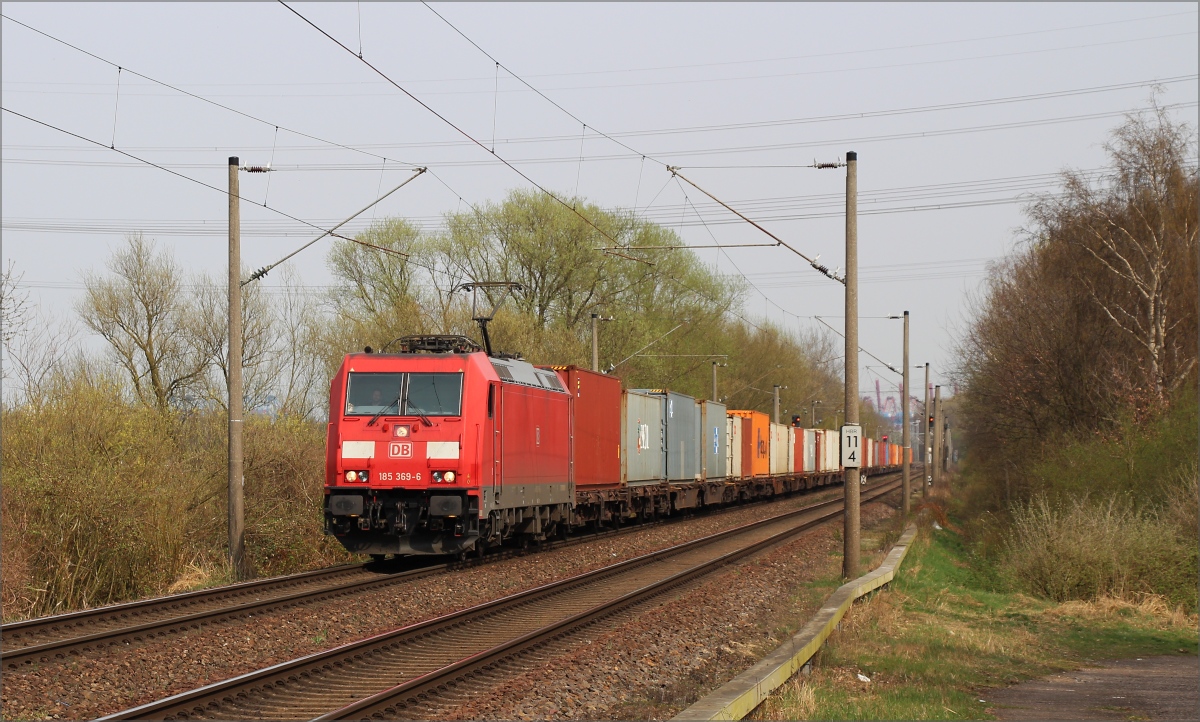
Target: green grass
940	636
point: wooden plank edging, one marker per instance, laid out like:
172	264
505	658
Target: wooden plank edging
740	695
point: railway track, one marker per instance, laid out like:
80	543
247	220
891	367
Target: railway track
48	639
448	657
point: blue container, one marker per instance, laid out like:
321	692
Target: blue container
681	421
713	430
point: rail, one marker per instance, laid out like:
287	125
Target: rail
47	639
448	651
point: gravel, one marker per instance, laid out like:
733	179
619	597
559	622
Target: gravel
102	682
665	656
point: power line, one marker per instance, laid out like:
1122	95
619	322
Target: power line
674	171
202	98
873	50
753	61
888	66
767	76
775	203
562	159
911	110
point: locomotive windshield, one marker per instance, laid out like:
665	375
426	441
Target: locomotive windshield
368	394
434	394
371	393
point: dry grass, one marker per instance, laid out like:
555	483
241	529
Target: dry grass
794	700
106	501
1150	609
1083	549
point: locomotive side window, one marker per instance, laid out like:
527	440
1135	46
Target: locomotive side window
434	394
371	393
491	401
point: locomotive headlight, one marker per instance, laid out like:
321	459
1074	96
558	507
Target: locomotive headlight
401	431
437	476
351	476
449	477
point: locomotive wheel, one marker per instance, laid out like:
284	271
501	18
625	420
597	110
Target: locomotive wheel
378	557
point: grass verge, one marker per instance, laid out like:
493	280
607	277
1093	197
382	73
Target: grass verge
938	638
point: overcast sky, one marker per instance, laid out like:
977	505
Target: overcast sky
740	95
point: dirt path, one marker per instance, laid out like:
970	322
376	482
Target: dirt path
1155	688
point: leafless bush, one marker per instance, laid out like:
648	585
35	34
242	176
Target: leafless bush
1084	549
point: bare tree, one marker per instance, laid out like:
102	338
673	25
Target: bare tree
207	323
139	310
1138	228
14	302
296	368
36	353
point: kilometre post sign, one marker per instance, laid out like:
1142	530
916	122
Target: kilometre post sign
852	446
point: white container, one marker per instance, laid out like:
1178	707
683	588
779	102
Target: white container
779	450
810	451
733	445
791	449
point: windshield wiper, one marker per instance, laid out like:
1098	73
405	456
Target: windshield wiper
375	418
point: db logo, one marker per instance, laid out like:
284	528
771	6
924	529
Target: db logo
400	449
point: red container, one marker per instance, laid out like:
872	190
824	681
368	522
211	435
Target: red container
595	427
534	441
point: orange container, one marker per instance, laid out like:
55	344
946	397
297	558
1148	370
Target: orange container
759	439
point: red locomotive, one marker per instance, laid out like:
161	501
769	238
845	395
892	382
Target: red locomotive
443	449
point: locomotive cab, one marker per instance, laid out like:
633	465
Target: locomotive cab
397	481
441	453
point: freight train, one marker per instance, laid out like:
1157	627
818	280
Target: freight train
445	449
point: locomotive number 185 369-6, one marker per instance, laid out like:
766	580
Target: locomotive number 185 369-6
399	476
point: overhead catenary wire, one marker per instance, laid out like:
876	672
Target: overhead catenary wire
116	106
267	269
674	171
451	123
890	367
812	262
243	114
729	258
824	270
493	144
270	162
233	110
542	95
197	181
